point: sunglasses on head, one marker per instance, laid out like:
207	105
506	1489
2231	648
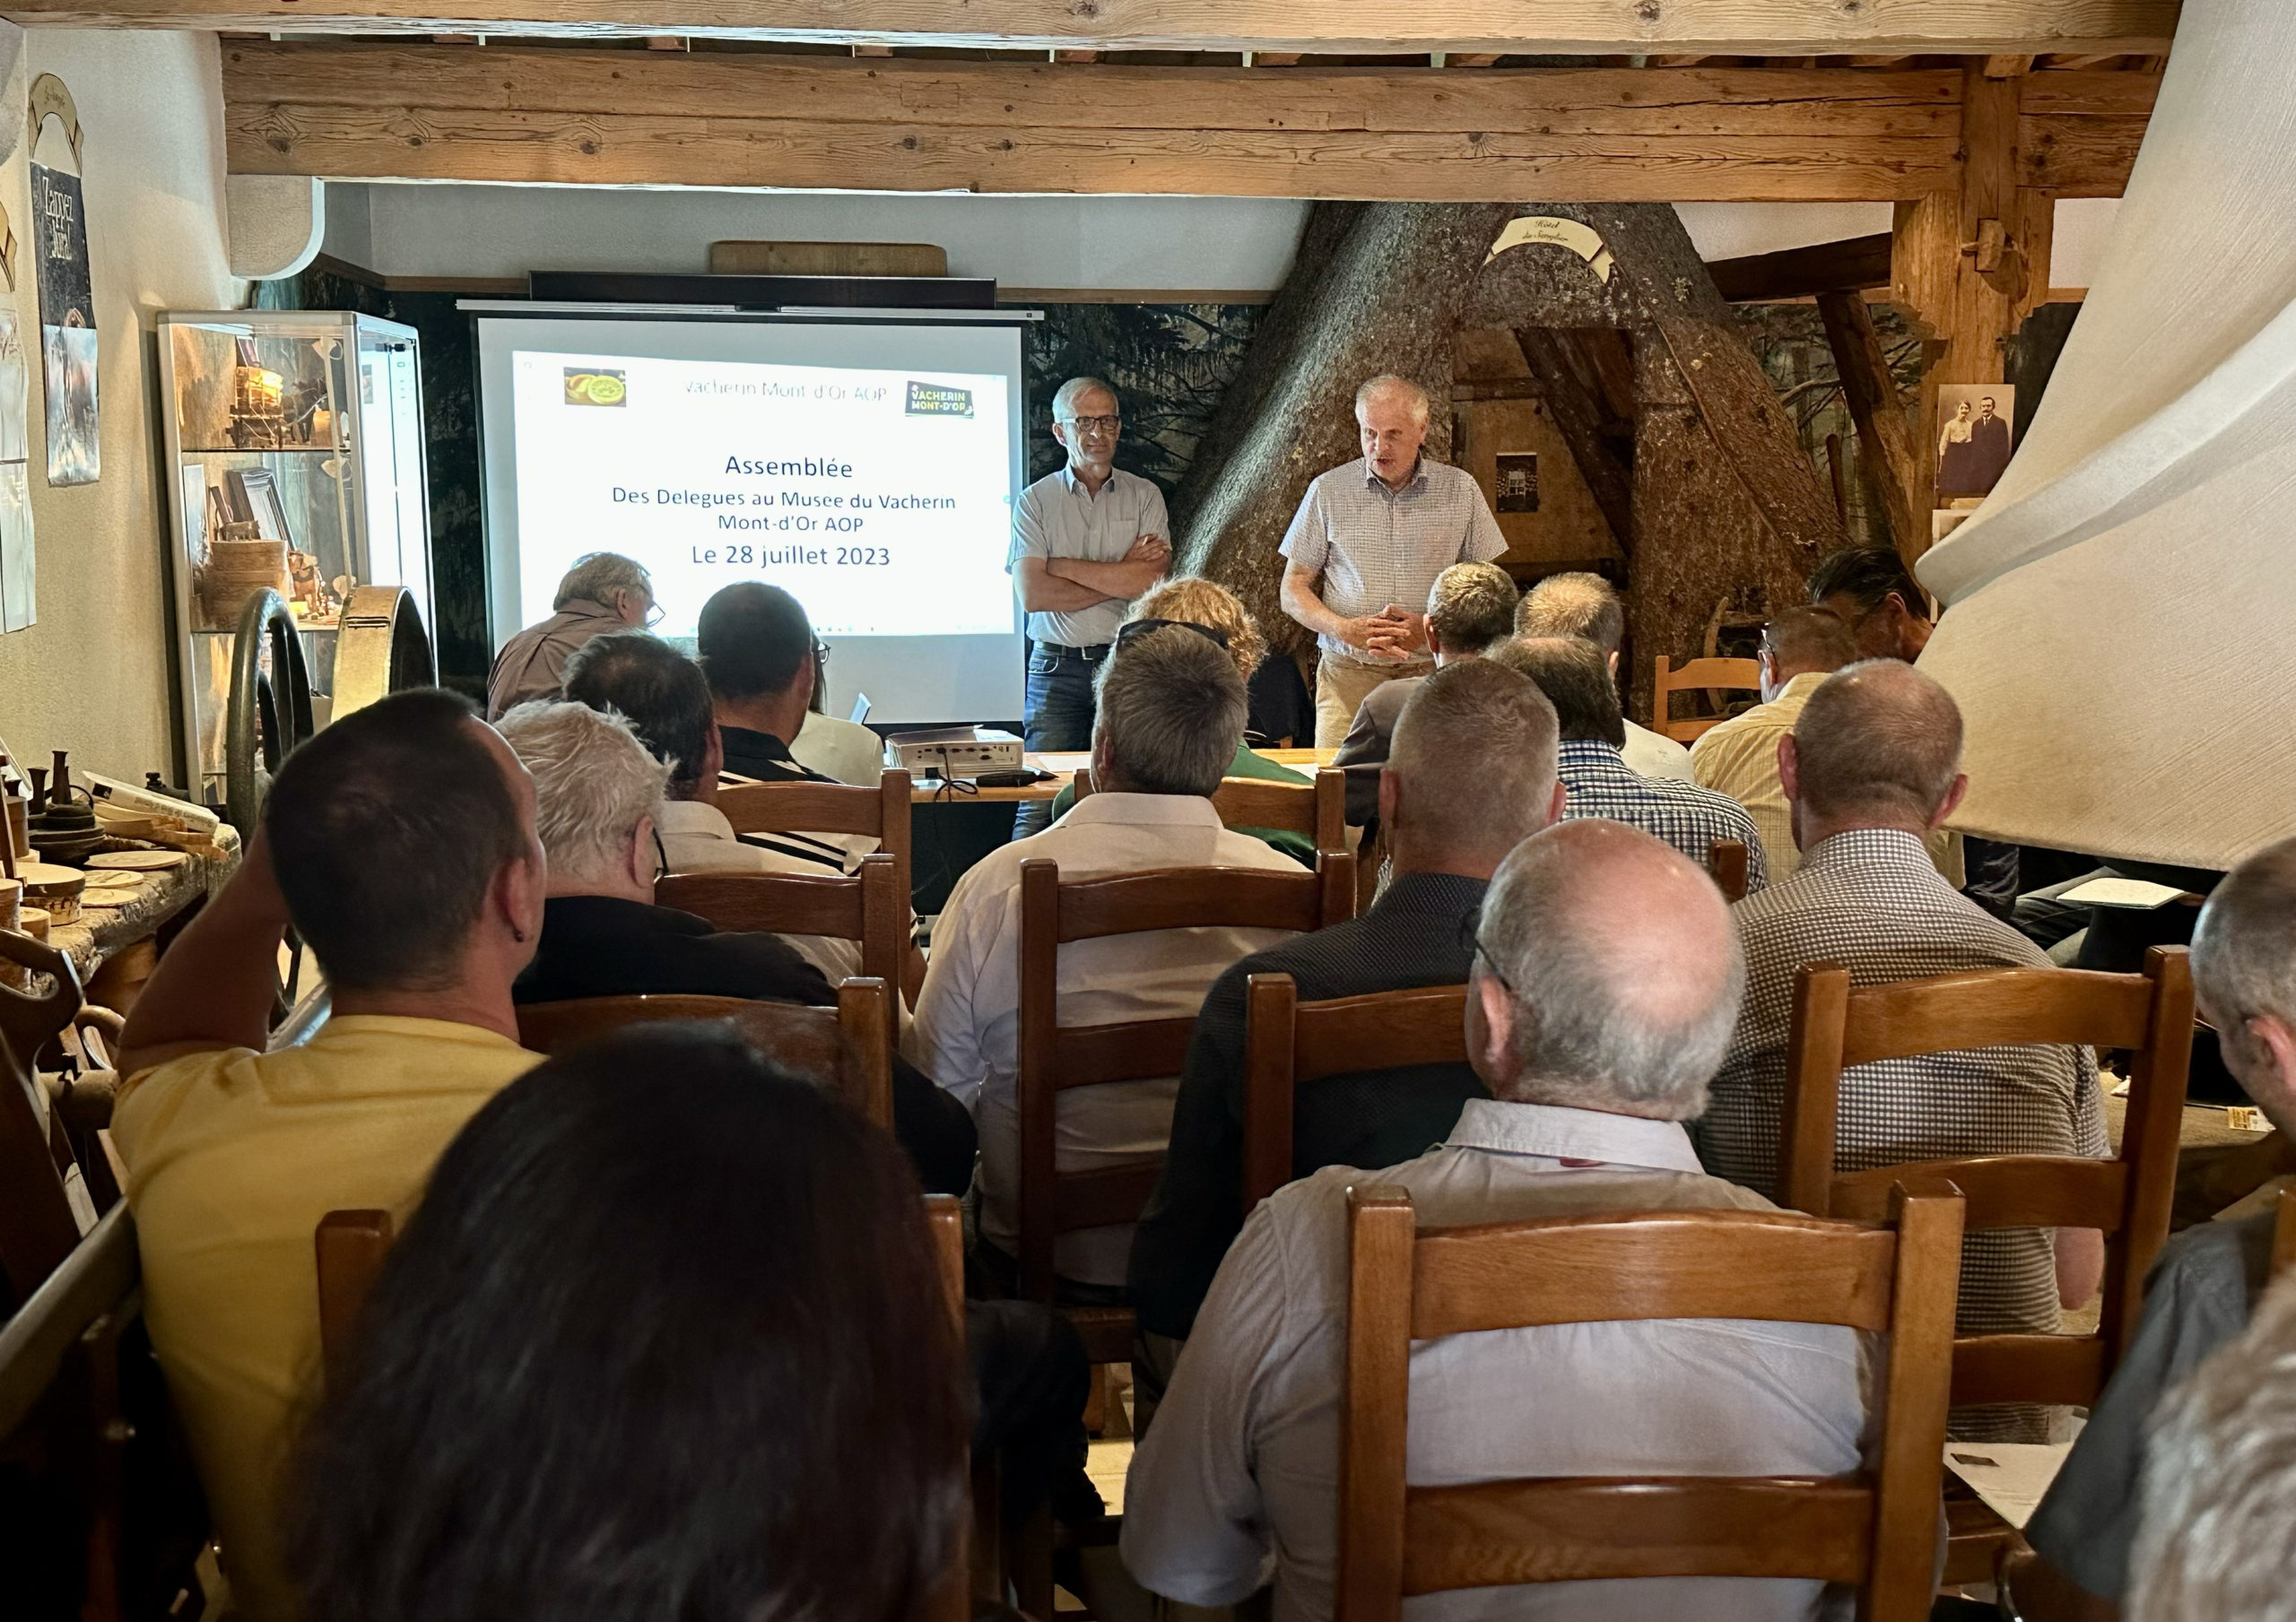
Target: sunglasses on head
1140	628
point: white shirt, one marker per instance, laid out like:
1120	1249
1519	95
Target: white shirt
846	751
1654	754
968	1016
1237	1482
696	839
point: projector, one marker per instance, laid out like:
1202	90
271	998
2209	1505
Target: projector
956	752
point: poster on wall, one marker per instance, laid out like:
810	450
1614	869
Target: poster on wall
1517	479
18	603
67	308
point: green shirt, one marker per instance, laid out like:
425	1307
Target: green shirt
1298	847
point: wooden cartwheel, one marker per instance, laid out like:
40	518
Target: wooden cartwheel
269	711
382	649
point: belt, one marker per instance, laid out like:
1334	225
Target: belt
1098	651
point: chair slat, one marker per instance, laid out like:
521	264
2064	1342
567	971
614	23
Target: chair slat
881	810
1656	1265
1140	1050
350	1247
1375	1411
2068	1369
1564	1530
1698	675
2002	1191
781	903
1996	1008
1727	861
1104	1196
1189	897
1342	1036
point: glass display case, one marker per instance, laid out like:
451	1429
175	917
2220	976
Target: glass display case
295	439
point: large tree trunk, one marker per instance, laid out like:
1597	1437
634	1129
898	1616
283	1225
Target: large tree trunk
1375	288
1727	509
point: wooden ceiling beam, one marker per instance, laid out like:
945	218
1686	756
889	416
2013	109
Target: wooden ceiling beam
381	111
1740	28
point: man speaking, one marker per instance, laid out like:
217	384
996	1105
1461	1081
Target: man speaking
1370	534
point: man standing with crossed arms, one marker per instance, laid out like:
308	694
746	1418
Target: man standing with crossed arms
1372	533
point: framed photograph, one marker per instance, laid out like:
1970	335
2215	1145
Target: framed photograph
1973	437
254	496
1518	482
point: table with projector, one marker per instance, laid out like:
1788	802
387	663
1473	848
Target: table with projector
1064	767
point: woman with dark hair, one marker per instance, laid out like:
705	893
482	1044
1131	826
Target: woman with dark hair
654	1352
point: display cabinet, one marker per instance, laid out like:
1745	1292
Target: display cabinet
295	437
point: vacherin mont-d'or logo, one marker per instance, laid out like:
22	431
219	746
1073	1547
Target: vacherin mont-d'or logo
938	400
596	388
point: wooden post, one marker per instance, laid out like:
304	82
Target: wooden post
1883	432
1969	265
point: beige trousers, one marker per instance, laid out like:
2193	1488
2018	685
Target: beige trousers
1341	687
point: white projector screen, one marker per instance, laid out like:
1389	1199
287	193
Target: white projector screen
865	464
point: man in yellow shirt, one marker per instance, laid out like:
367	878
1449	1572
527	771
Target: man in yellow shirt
401	844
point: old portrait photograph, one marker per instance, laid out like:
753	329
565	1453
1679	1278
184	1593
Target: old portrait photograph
1973	437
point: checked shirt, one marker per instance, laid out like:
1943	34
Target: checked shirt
1598	783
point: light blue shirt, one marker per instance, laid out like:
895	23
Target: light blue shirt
1058	518
1375	546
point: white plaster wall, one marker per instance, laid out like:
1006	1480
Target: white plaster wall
416	229
92	675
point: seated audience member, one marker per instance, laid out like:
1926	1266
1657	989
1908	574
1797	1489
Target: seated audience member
1280	712
1470	609
762	658
665	699
2221	1476
595	790
1192	600
1170	715
2203	1288
1605	982
1569	671
1873	766
1586	606
1870	590
1446	829
400	844
666	1338
1800	648
603	591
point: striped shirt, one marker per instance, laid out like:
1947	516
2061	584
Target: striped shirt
1375	546
1870	900
1597	782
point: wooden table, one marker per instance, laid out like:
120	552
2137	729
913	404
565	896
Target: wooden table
116	951
932	791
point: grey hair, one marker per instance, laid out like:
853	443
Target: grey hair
1878	738
1172	708
598	577
1485	713
1386	383
594	783
1576	604
2219	1484
2244	947
1471	606
1599	988
1063	399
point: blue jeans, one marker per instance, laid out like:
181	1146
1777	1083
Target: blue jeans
1057	715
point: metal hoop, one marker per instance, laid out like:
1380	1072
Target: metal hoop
268	714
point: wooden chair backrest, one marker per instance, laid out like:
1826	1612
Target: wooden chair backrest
849	1047
880	811
1316	811
2284	1231
1054	1058
1834	1026
38	1229
1697	675
868	907
1874	1529
1727	860
1288	1042
350	1247
945	1218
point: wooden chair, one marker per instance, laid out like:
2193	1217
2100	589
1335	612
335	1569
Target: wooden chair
1834	1026
880	813
868	907
39	1227
1316	811
1288	1043
2284	1231
1727	860
1055	1059
849	1047
1876	1529
1699	675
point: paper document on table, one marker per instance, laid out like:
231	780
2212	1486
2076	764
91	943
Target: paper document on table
2011	1476
2139	893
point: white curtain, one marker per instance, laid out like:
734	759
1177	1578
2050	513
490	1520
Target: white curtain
2120	623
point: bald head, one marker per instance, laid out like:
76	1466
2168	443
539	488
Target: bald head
1878	745
1610	975
1471	772
2244	968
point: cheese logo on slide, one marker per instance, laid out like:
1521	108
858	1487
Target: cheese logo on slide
596	388
938	400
